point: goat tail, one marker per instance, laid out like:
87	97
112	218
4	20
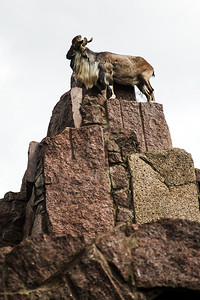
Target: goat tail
153	75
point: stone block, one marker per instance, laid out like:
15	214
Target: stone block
36	259
175	165
114	157
164	186
112	146
142	122
12	218
62	116
124	215
29	176
115	247
32	161
122	197
132	121
78	199
119	177
158	260
146	121
156	131
167	254
92	279
128	144
93	114
114	115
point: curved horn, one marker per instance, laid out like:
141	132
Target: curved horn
90	40
86	41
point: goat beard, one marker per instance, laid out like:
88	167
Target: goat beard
85	71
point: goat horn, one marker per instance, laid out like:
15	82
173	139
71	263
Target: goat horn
86	41
90	40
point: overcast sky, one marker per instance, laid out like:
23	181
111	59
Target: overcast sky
35	36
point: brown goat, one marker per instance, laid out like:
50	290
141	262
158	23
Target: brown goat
101	69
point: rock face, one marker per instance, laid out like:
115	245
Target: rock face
12	216
164	186
150	261
107	208
170	262
122	117
77	180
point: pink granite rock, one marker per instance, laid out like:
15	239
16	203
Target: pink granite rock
77	184
164	186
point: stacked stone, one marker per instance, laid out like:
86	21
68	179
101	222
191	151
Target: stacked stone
128	127
107	208
100	165
158	260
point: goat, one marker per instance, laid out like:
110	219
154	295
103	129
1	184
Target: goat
102	69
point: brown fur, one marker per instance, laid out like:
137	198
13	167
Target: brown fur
103	68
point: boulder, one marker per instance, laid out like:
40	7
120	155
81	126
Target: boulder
167	255
76	179
158	260
107	208
12	216
145	120
164	186
123	117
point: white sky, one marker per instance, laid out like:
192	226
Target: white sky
35	36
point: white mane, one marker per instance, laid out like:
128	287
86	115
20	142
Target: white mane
86	71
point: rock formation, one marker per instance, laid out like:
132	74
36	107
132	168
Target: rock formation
108	209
